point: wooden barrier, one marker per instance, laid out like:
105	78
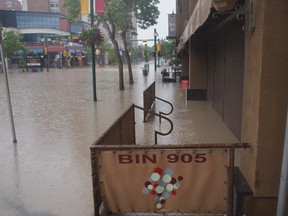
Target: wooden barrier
115	153
149	99
122	131
118	165
202	172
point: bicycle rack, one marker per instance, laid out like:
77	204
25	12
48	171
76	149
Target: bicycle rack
160	116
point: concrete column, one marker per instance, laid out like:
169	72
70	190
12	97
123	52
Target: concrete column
264	105
198	70
185	64
198	64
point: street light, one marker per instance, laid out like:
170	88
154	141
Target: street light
155	50
93	52
4	68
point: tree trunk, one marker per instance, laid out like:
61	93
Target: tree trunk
120	64
111	32
124	39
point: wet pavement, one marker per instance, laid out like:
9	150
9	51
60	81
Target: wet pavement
48	172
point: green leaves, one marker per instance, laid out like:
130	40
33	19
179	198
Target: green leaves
90	36
121	13
167	48
11	43
146	12
73	7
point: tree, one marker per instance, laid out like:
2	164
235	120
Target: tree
73	7
137	53
110	27
11	43
146	12
119	18
90	36
167	48
125	24
109	52
114	21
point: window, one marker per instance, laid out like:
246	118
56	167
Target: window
37	20
54	5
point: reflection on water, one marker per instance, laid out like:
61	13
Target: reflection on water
48	172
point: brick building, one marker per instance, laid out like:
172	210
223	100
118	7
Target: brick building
10	5
44	6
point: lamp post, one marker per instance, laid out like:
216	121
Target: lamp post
93	52
4	68
66	52
155	50
47	60
158	51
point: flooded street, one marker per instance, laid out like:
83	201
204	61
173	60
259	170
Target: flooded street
48	172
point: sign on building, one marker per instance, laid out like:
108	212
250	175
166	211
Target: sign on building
171	25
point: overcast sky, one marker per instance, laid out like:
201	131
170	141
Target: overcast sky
165	7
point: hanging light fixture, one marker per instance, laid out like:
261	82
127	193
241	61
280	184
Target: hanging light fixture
224	5
240	11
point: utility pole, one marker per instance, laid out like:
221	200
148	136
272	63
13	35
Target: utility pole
93	52
155	50
158	51
47	60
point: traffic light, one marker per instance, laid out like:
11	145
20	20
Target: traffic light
158	47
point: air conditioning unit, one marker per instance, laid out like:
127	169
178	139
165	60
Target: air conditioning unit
224	5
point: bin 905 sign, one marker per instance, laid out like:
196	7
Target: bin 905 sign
164	180
171	158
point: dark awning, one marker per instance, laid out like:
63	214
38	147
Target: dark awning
71	50
199	16
36	50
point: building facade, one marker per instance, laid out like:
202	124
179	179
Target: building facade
39	19
10	5
44	6
34	26
37	5
234	53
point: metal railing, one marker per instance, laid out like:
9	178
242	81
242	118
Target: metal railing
160	116
122	131
149	99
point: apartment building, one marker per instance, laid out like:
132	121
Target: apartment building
10	5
